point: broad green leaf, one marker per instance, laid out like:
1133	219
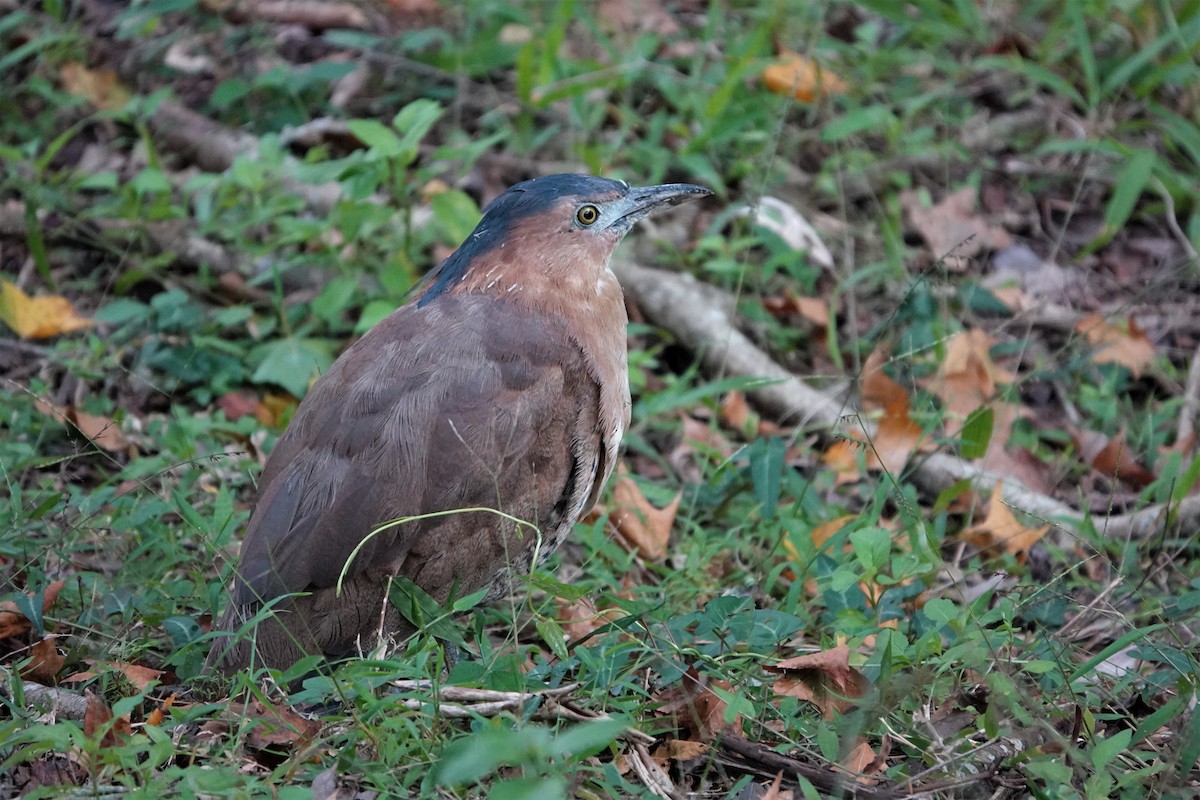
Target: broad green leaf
1130	184
293	364
977	432
1106	750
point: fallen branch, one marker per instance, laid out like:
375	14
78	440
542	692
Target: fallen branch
700	316
59	703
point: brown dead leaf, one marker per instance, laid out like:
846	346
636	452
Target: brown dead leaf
15	623
686	749
273	408
706	436
38	317
45	662
695	708
643	528
826	530
967	378
1112	457
801	77
103	431
858	761
896	435
951	228
1126	345
637	17
99	87
824	679
99	719
581	618
1000	528
141	677
279	727
813	309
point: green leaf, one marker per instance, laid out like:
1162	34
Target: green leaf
871	547
1129	187
1189	751
977	432
456	214
940	611
414	121
528	789
877	117
1106	750
588	738
381	139
293	364
766	472
552	634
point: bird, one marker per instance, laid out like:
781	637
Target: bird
481	418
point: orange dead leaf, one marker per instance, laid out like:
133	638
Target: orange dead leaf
45	662
967	378
1001	529
736	411
842	458
895	439
37	317
98	718
156	716
877	390
99	87
773	792
826	530
824	679
801	77
15	623
1112	457
1117	344
644	528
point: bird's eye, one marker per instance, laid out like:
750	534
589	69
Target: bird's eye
587	215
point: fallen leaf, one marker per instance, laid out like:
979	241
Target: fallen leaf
1112	457
824	679
966	378
99	87
773	791
951	228
858	762
14	623
1000	528
686	749
842	458
45	662
98	718
37	317
103	431
156	716
238	404
581	618
813	309
274	408
801	77
279	727
696	708
1126	345
643	528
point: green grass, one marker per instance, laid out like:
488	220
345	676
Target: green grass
1069	672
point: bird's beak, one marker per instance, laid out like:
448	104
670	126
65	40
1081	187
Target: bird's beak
640	202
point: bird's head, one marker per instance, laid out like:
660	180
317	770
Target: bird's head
558	226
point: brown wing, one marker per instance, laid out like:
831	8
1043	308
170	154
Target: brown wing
495	410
